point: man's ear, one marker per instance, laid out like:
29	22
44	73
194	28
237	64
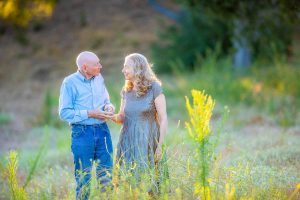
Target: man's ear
84	67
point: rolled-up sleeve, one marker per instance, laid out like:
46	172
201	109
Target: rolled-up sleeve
66	106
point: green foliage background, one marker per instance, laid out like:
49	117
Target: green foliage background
267	27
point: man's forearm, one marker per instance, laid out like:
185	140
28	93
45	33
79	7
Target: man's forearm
73	116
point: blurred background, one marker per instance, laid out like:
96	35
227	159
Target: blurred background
246	54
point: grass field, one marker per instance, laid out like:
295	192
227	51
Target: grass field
257	155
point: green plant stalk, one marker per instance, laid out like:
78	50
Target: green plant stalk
37	158
204	165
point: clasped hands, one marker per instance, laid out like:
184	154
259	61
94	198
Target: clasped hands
108	113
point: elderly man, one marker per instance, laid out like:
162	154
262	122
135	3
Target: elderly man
84	103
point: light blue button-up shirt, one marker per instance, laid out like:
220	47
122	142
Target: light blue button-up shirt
78	95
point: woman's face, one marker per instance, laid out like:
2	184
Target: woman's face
128	70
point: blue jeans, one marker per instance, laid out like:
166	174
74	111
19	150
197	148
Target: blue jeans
91	143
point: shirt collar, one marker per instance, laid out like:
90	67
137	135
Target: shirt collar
82	78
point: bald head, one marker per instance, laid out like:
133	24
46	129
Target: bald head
86	58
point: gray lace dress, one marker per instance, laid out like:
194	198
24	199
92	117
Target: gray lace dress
140	134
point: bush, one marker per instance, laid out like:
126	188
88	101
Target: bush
49	113
5	118
190	38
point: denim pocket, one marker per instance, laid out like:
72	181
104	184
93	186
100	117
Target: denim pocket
77	131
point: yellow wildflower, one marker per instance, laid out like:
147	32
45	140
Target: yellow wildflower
229	192
203	191
200	114
178	193
295	192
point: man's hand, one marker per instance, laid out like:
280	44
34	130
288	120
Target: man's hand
103	115
109	108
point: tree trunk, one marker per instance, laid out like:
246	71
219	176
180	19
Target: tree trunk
242	57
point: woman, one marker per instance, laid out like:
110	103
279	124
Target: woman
144	118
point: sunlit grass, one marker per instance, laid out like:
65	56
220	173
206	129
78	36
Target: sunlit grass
273	90
257	156
242	163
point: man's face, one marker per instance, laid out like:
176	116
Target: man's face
93	67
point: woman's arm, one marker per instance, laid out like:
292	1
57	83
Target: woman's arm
119	118
160	104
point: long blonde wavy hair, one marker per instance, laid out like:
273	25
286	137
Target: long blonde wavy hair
143	75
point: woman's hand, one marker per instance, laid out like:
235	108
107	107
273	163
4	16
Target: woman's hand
117	118
158	153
